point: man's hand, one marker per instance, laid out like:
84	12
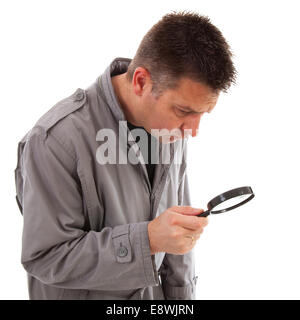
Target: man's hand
172	231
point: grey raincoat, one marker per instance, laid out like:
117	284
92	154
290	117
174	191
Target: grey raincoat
85	224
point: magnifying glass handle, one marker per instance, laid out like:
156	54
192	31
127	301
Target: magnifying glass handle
204	214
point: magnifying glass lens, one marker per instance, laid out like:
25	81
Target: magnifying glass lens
230	202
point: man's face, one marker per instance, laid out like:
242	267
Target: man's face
179	109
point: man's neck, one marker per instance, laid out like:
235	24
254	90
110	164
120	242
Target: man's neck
122	90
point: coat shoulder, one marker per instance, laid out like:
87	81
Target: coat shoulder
61	110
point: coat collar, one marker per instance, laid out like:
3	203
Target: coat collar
105	89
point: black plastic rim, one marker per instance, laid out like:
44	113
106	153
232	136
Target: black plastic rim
229	195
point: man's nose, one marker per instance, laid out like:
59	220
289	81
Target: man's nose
191	126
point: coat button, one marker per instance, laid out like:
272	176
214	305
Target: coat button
122	252
79	96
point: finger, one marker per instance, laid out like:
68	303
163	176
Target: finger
196	236
188	222
192	239
187	210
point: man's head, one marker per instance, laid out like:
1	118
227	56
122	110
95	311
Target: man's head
177	73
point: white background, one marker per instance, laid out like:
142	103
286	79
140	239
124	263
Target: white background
49	49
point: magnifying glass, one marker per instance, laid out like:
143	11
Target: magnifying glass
228	200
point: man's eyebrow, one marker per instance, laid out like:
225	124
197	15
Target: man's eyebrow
187	108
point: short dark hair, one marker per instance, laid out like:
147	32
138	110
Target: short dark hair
184	44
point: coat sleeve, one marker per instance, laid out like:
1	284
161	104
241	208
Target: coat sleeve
178	271
56	247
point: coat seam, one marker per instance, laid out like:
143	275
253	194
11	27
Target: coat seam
84	184
64	146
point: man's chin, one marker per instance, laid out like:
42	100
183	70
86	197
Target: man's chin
169	139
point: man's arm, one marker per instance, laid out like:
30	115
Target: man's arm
55	247
178	271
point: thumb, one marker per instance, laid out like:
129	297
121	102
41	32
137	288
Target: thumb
187	210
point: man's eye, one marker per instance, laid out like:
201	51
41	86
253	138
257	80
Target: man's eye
182	112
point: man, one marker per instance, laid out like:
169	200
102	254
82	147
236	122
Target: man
96	229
